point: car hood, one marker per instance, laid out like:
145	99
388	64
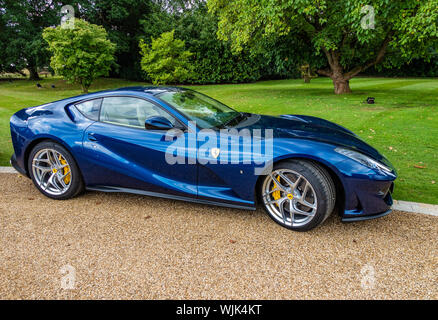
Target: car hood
312	128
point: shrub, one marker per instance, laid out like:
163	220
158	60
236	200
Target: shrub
80	54
166	60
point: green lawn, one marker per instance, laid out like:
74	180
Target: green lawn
403	124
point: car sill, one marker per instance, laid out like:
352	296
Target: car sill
168	196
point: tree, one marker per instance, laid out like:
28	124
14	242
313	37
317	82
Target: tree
3	39
80	54
213	60
166	60
22	25
122	20
353	35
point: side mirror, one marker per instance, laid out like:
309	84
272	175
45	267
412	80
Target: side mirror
157	123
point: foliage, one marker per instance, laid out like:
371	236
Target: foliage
21	26
284	35
166	60
403	30
80	54
214	61
122	20
412	68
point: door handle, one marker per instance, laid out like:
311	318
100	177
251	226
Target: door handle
91	137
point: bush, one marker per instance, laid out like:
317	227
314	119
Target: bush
213	60
166	60
80	54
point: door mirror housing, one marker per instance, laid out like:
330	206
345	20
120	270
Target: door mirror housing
157	123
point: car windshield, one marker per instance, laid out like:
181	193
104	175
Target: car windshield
205	111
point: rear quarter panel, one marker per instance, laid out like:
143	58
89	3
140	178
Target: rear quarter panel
56	122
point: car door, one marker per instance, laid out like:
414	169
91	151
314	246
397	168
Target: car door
121	153
230	175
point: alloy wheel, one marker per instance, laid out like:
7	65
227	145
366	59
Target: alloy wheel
289	197
52	172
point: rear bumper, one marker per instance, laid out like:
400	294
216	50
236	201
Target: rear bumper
14	163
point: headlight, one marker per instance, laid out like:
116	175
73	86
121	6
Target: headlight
363	159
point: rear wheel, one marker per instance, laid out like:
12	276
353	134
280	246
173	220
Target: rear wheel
54	171
298	194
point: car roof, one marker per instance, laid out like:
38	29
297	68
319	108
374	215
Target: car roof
148	90
151	90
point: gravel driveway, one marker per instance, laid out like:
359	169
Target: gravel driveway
127	246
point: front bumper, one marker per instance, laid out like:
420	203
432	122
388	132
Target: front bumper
362	218
14	163
369	200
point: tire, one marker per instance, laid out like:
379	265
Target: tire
49	159
302	187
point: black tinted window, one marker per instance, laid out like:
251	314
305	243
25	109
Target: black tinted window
90	109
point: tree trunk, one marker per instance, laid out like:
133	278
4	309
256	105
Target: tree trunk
33	73
341	86
336	71
84	88
341	80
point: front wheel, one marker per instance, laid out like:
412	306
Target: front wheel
54	171
298	194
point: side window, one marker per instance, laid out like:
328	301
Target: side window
130	112
90	109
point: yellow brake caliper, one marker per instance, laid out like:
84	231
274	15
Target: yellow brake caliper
65	170
276	194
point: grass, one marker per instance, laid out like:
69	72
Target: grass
403	124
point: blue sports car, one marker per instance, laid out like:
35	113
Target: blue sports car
180	144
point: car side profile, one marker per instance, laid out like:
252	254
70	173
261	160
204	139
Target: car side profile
120	141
